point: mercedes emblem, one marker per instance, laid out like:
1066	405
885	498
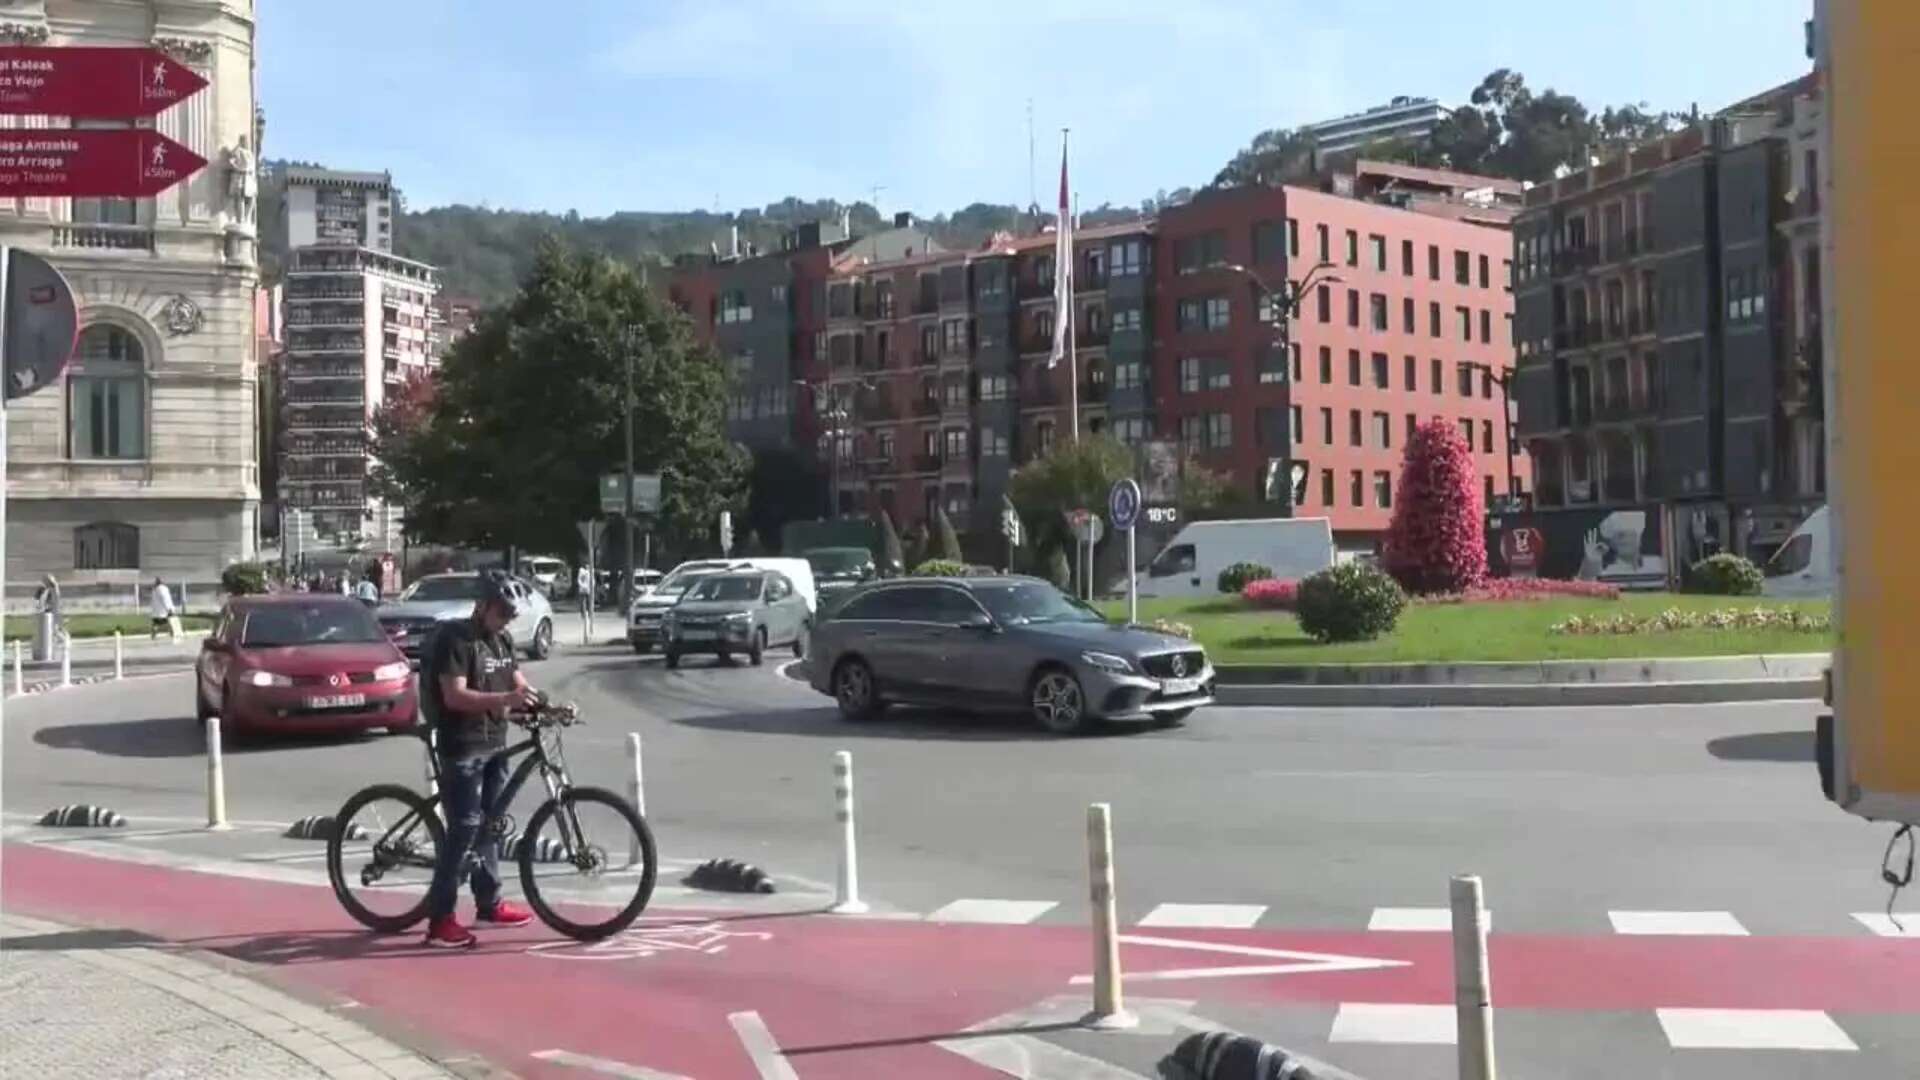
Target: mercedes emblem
335	680
1179	666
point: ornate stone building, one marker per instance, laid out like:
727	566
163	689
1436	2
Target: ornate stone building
141	460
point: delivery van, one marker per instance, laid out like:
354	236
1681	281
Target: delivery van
1803	567
1191	562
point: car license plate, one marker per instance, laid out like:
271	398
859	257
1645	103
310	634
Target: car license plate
697	635
335	701
1179	687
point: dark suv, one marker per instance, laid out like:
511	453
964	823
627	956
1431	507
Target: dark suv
1014	644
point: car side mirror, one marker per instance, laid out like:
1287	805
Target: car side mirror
981	622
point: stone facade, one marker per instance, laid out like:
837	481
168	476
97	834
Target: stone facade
156	473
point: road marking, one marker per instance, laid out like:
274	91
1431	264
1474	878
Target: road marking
1301	963
1415	919
604	1066
767	1059
1429	1025
1218	916
1002	1046
1752	1029
1879	923
993	911
1681	923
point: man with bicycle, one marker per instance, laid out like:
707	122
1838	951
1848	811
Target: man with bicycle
468	683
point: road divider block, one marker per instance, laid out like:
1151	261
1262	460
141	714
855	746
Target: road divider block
1226	1055
83	816
321	827
545	849
728	875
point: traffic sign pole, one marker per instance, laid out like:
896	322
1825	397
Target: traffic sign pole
1123	507
1133	582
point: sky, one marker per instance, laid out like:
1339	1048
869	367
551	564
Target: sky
605	105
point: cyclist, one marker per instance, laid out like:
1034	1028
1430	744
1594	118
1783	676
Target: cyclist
471	680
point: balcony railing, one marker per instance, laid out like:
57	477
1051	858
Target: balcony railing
1031	344
926	303
926	407
91	237
954	464
308	370
311	447
926	463
326	343
316	290
953	406
1028	289
931	359
1042	395
1614	407
321	394
1093	391
1573	260
874	410
317	470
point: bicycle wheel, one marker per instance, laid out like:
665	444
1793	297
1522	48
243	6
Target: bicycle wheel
381	855
590	852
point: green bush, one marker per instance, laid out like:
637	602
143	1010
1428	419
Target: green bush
1725	575
1234	578
244	579
1058	571
1354	601
943	568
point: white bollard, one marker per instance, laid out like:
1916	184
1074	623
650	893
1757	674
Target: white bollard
19	670
1472	994
847	885
216	779
66	659
118	657
1109	1005
636	793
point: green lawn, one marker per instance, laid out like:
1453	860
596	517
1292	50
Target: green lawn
1512	630
103	625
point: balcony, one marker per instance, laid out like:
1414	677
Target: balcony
1026	289
956	465
392	352
1093	393
876	410
308	291
1043	396
1574	260
330	316
322	447
302	417
926	406
875	466
1035	344
314	470
310	344
89	237
1614	407
324	369
1091	339
926	463
1089	283
927	359
1639	321
322	394
954	406
927	303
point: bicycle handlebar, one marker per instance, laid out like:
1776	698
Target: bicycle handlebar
546	713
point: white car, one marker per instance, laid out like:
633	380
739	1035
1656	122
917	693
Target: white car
546	573
411	618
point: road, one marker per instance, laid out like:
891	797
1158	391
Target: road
1635	859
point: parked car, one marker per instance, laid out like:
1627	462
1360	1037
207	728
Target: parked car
410	620
302	662
548	574
1008	643
644	615
837	570
737	612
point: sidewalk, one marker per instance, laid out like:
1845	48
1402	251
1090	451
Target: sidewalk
108	1003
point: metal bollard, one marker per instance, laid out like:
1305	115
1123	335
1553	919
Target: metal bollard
66	660
216	779
847	885
636	793
1109	1006
19	671
1472	994
119	657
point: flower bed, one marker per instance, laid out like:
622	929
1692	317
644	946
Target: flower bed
1754	618
1503	589
1272	594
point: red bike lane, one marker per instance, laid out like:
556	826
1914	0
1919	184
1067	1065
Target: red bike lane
859	998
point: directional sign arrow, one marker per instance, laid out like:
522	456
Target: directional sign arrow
1298	963
91	81
123	162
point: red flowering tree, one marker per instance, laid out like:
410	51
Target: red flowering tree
1437	542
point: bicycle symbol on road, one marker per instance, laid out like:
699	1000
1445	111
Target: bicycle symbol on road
663	935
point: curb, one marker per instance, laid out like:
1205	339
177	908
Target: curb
1678	669
1490	695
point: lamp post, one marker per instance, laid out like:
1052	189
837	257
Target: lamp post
1286	304
1504	379
833	410
629	344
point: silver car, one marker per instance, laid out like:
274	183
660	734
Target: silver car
728	613
411	618
1014	644
649	609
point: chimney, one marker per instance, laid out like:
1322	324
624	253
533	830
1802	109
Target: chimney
903	220
734	250
846	224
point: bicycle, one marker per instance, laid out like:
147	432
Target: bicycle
393	863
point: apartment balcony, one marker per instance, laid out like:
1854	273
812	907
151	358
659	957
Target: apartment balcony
1639	322
1574	260
956	360
1043	396
926	406
1033	290
926	360
1614	408
308	292
312	370
1091	339
956	465
926	304
304	418
312	447
1089	283
314	317
1035	344
954	407
88	237
1093	393
926	463
314	344
392	352
876	410
314	471
303	497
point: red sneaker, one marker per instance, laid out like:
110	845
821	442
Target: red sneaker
505	913
447	933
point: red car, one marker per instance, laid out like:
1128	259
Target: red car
301	662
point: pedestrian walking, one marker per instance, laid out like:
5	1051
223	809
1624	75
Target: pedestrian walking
367	592
583	588
161	610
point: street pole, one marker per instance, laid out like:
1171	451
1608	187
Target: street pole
1133	582
1506	426
625	592
833	452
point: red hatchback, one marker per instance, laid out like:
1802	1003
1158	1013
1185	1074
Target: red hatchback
302	662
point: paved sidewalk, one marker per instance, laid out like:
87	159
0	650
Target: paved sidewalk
100	1004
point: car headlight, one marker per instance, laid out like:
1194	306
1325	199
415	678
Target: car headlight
1118	665
266	678
740	616
388	672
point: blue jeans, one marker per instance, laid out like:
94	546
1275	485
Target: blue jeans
467	787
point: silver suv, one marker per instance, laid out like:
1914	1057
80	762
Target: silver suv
746	612
1014	644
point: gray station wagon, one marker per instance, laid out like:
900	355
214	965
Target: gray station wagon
1014	644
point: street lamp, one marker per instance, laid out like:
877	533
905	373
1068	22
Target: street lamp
1286	304
834	411
1504	379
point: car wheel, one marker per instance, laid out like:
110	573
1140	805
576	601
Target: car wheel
757	652
1058	702
800	640
854	689
672	657
542	645
641	648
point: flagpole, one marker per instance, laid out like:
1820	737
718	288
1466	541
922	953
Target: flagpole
1073	337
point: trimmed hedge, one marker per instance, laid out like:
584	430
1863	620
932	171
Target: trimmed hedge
1725	574
1235	578
1354	601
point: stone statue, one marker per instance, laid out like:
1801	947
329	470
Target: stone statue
243	182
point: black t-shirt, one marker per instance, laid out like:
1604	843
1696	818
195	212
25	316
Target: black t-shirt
462	648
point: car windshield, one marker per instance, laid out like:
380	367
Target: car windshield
681	580
444	588
726	587
281	625
1033	602
832	561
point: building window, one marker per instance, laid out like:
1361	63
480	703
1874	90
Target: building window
1129	375
1043	434
1353	307
1320	234
1377	311
1219	374
1326	426
1273	365
106	396
1126	259
1326	365
1406	257
992	443
1207	431
1486	383
1296	420
1383	430
1323	296
994	387
1192	372
1383	490
1466	322
1486	436
1411	374
1193	254
1466	430
1486	327
1293	350
1413	425
106	545
1266	308
1269	242
1433	261
734	307
1433	318
1130	430
1353	428
1377	245
1293	238
1094	319
1326	488
1408	320
1433	376
1353	367
1462	268
1219	313
1353	248
1126	320
1356	487
954	337
1486	272
1381	379
956	448
930	340
1466	387
884	446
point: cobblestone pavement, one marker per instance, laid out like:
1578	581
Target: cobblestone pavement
101	1005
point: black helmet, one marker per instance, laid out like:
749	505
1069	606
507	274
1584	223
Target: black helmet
494	590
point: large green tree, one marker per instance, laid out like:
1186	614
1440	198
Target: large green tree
526	414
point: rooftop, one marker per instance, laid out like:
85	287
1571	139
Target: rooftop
318	177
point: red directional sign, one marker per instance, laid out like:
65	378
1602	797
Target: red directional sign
91	81
124	162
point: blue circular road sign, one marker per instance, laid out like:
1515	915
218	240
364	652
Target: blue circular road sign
1123	504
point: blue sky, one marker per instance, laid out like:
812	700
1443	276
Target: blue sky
603	105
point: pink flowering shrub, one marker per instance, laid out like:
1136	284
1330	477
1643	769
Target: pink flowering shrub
1436	541
1501	589
1276	594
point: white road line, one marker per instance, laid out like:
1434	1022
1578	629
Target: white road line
993	911
1429	1025
1679	923
767	1059
1415	919
1028	1058
1752	1029
1879	923
604	1066
1218	916
1297	962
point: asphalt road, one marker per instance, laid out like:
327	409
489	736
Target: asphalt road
1311	820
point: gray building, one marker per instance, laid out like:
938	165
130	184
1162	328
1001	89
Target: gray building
338	208
1402	118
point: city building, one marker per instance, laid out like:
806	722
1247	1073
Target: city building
1668	341
357	325
452	319
338	208
1402	118
140	461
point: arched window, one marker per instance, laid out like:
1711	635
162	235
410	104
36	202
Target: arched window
106	396
106	545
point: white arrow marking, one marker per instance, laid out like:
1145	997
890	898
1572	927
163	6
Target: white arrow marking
1302	963
604	1066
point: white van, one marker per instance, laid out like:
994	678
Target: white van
1803	567
1190	564
798	571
